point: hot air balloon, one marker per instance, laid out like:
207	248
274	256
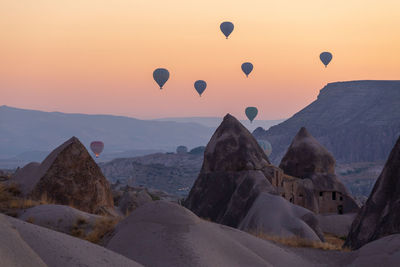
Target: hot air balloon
325	57
266	146
161	76
247	67
97	147
251	113
200	86
226	28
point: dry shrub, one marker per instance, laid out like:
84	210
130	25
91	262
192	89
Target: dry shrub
4	194
102	227
78	229
299	242
335	240
10	200
30	220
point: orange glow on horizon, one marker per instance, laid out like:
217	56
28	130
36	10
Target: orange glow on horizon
97	56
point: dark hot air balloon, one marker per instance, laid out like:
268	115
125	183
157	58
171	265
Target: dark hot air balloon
247	67
251	113
161	76
200	86
325	57
226	28
97	147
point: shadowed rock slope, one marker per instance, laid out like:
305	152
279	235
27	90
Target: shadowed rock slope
358	121
306	158
68	176
232	175
24	244
161	233
380	216
235	174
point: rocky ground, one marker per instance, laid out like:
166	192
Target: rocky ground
169	172
232	217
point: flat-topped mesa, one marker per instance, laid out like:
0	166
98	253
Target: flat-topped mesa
68	176
318	188
233	148
380	216
356	121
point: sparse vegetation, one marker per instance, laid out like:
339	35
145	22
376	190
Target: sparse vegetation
331	242
11	200
78	229
100	228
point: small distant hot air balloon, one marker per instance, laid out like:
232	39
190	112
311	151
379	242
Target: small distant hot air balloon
161	76
251	113
226	28
247	67
200	86
325	57
97	147
266	146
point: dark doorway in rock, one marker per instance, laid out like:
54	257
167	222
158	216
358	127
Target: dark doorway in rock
340	209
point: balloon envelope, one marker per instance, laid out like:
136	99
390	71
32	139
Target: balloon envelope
161	76
266	146
325	57
251	113
226	28
200	86
97	147
247	67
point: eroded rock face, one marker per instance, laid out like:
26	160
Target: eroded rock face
380	216
235	173
308	160
233	148
357	121
306	157
231	177
68	176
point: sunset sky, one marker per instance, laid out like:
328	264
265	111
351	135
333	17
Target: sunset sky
97	56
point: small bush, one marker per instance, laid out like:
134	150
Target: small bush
78	229
102	227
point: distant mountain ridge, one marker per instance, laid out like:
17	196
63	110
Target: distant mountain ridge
213	122
30	130
357	121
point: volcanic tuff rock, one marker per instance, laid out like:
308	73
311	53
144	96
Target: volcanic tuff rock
162	233
380	216
235	174
68	176
306	159
231	177
358	121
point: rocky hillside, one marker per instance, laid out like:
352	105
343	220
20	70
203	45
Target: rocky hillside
358	121
170	172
